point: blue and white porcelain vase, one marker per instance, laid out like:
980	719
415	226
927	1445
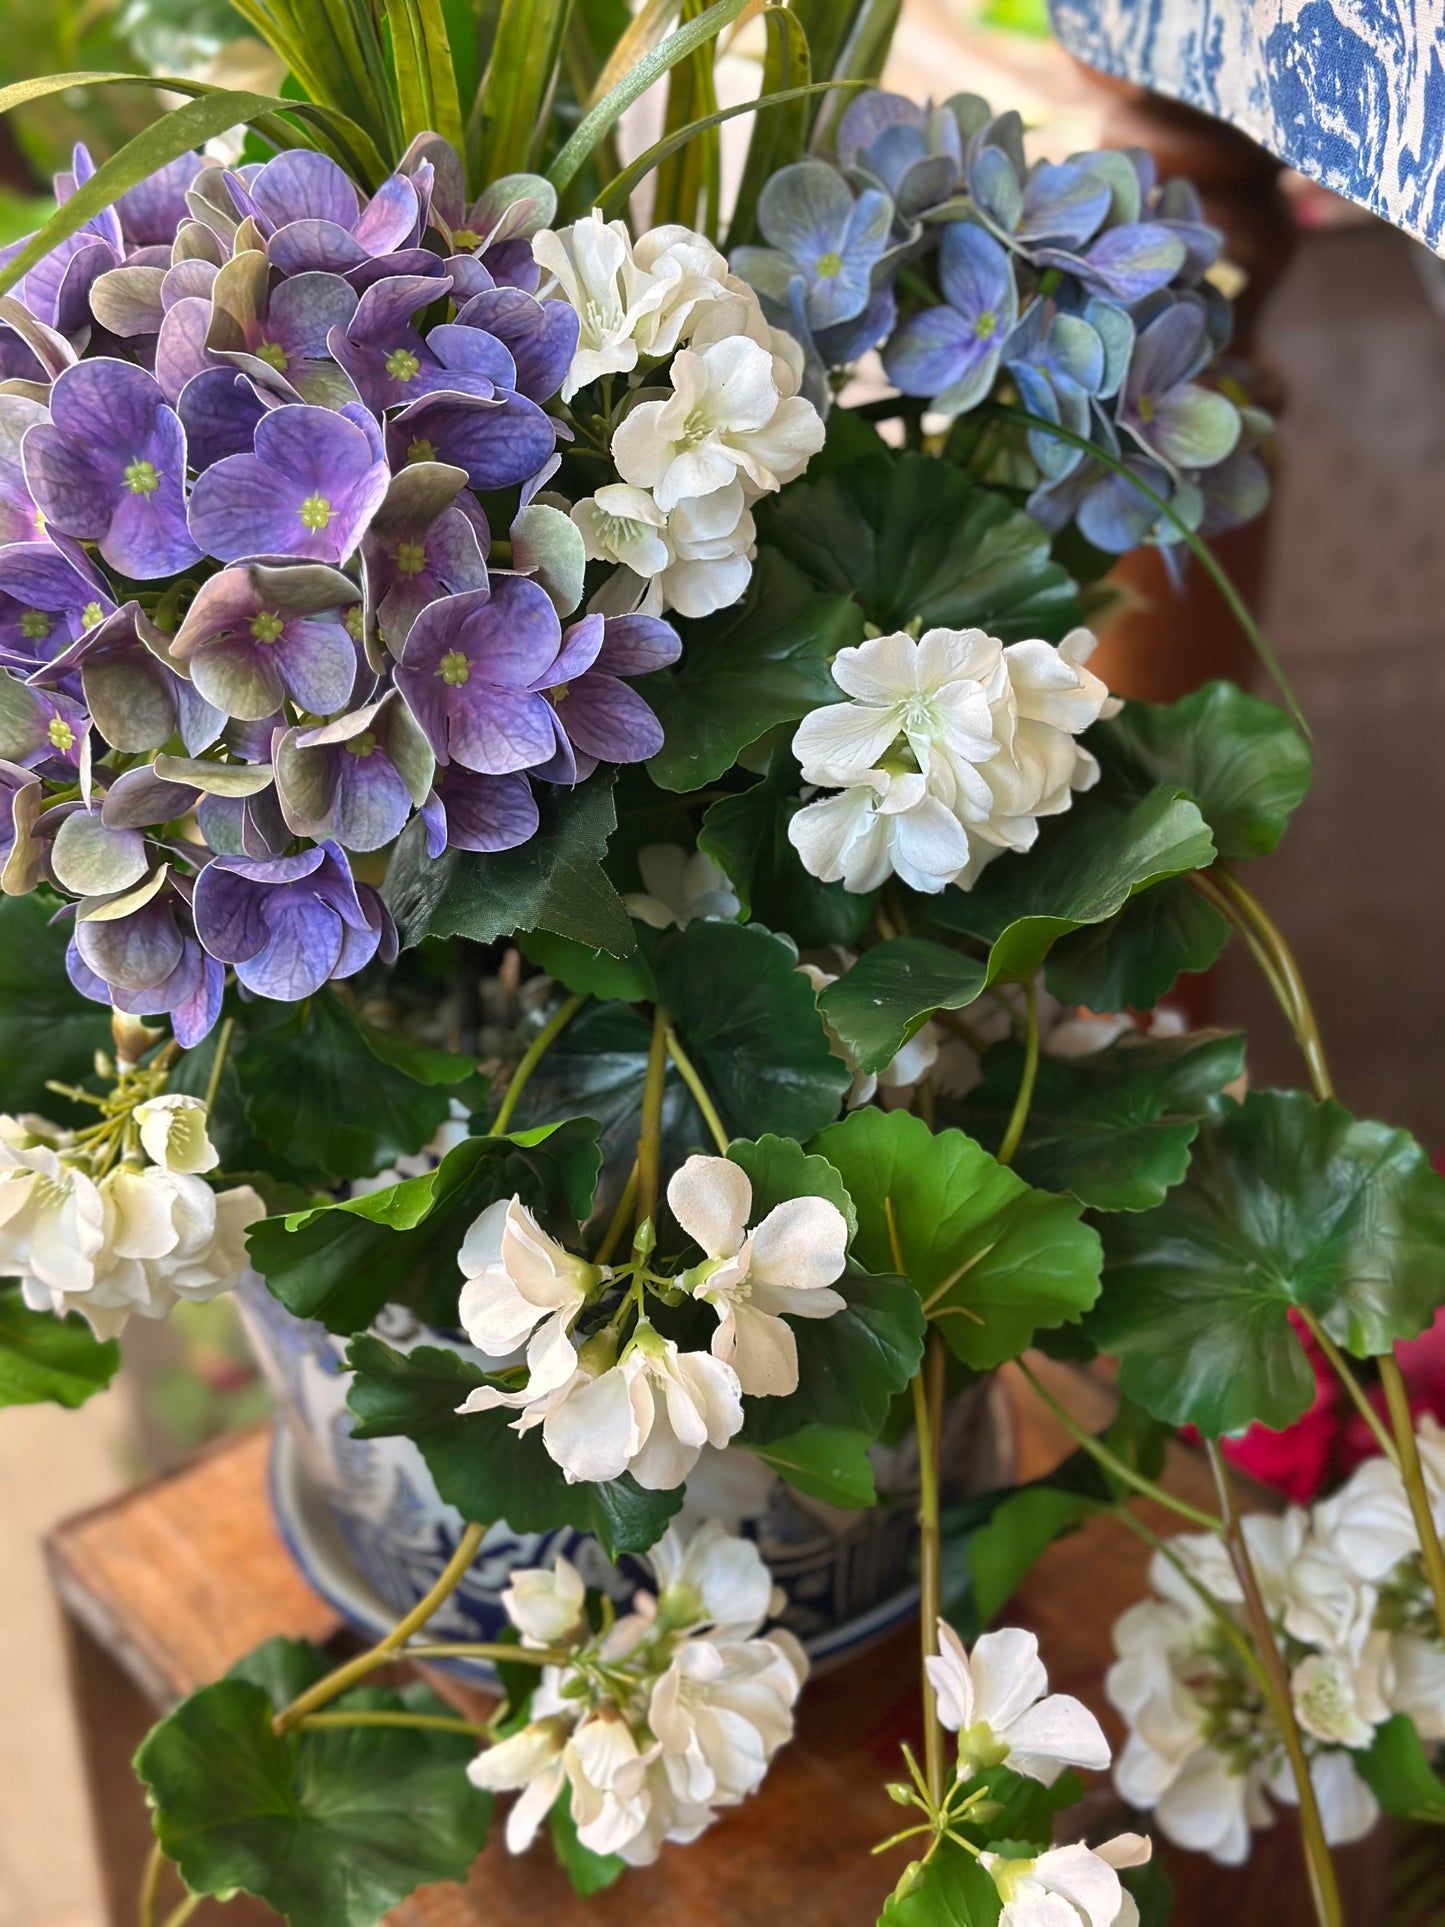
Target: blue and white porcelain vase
846	1575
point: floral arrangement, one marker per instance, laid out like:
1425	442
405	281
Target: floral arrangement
552	779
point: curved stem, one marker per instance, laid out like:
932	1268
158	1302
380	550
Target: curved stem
544	1040
1323	1889
1025	1096
619	1220
1201	552
183	1913
1201	881
1398	1400
503	1654
1112	1463
218	1064
1351	1384
1299	1009
150	1886
649	1142
317	1696
930	1560
429	1722
688	1072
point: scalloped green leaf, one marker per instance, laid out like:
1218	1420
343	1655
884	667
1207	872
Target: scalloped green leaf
1288	1202
778	1168
826	1462
1133	959
850	1366
992	1260
45	1360
47	1029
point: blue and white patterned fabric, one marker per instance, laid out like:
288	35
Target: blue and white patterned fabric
1351	92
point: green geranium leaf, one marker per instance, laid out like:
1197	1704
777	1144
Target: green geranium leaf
1026	1824
47	1029
1133	959
951	1890
1287	1203
330	1097
554	882
593	973
330	1828
588	1872
1240	759
991	1259
914	540
765	661
778	1168
482	1467
45	1360
747	1018
342	1262
825	1461
1115	1127
1397	1770
1085	866
1002	1552
850	1366
747	837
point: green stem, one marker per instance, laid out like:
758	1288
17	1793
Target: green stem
620	1219
544	1040
1198	549
1398	1401
1217	1612
504	1655
150	1886
218	1064
1351	1384
687	1070
1111	1462
430	1722
183	1913
1298	1008
1025	1096
1323	1890
1211	892
649	1141
325	1690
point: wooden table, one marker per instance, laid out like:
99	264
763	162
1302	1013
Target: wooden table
166	1587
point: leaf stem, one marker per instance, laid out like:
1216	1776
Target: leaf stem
1398	1401
1298	1008
150	1886
218	1064
428	1722
1111	1462
1351	1384
503	1654
687	1070
618	1222
1323	1889
544	1040
183	1912
649	1141
1025	1095
325	1690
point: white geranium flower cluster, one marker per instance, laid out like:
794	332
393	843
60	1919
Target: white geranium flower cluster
609	1405
950	748
1346	1590
656	1723
131	1237
1073	1886
730	427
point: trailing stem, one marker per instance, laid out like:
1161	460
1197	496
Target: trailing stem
544	1040
687	1071
1025	1097
649	1140
1323	1889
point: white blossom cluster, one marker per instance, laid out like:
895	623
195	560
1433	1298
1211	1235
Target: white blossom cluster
948	750
1345	1588
130	1239
660	1720
610	1404
729	427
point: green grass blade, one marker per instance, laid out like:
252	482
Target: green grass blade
861	57
633	84
518	85
777	139
426	80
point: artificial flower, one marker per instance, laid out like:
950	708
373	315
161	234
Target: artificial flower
1073	1886
678	887
522	1288
996	1699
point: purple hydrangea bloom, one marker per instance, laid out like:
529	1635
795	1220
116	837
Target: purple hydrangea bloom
495	229
597	716
262	633
57	288
357	779
382	350
470	673
20	519
499	440
152	211
817	229
1162	407
1108	510
49	595
1124	264
309	488
133	692
140	953
42	729
428	539
951	353
482	813
110	467
277	333
310	215
20	798
220	411
1061	203
540	336
915	153
1059	365
289	924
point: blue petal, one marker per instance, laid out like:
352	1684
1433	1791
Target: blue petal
1062	203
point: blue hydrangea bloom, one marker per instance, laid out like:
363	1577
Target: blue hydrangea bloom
951	354
819	231
1161	406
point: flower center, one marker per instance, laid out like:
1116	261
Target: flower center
410	557
828	265
402	365
979	1751
986	327
274	356
356	622
454	669
421	450
557	695
61	735
696	428
91	615
141	477
362	745
267	627
1145	406
34	625
316	512
466	237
